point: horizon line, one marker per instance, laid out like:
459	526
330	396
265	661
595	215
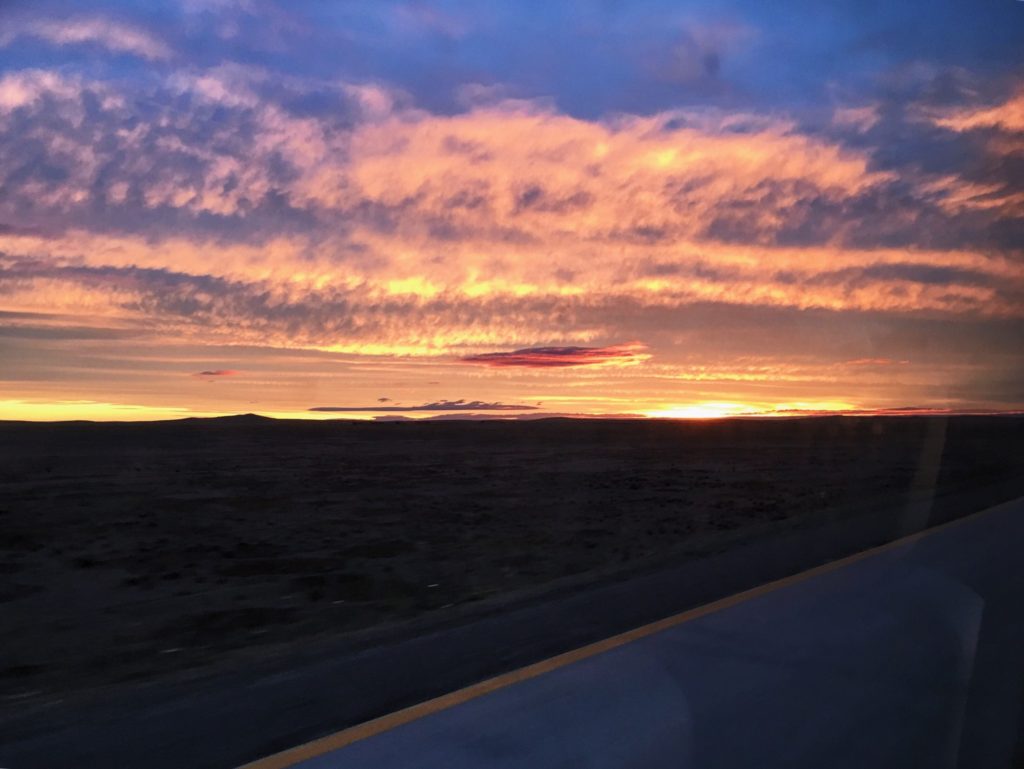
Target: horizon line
398	419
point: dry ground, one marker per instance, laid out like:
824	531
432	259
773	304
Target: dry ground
132	551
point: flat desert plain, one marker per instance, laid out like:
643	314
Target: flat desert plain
136	552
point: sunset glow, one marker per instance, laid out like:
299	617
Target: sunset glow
452	210
702	411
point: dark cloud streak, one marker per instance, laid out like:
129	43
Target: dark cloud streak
560	357
442	405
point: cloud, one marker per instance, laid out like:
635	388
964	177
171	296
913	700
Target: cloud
115	36
1006	115
355	320
561	357
511	199
442	405
508	172
233	204
216	372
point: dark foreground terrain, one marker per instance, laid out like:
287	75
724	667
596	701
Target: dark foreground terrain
134	551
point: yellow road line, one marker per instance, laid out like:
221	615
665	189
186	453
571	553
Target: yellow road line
361	731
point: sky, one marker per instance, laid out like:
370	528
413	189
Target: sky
436	210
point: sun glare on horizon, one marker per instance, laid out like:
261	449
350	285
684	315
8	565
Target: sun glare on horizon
702	411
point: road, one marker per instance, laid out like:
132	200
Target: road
907	656
230	717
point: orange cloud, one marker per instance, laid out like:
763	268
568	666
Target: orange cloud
509	201
516	171
1007	115
402	238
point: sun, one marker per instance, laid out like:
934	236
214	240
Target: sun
704	410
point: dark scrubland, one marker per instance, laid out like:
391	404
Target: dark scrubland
130	552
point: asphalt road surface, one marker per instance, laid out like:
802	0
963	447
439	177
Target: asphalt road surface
908	656
728	693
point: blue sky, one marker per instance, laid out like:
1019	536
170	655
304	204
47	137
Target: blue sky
590	58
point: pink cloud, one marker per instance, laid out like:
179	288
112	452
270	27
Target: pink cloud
561	357
115	36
